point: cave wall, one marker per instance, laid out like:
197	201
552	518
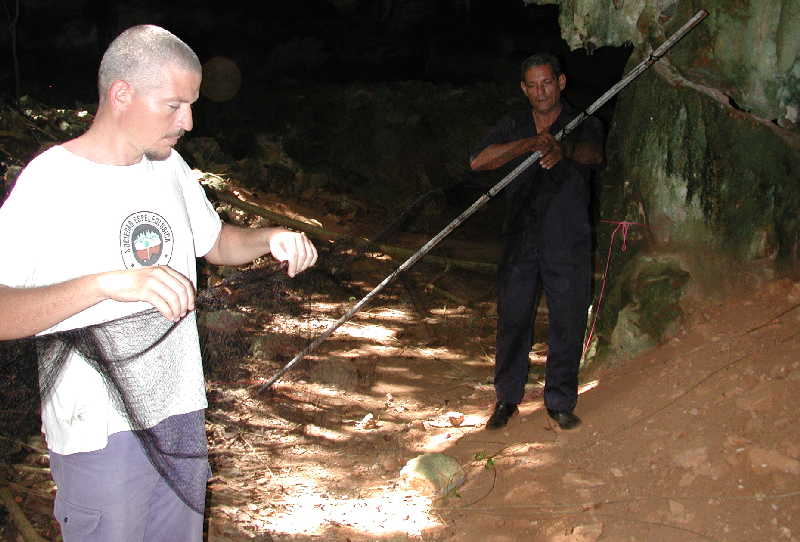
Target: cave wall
748	49
704	151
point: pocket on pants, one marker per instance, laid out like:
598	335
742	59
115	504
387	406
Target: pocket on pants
75	519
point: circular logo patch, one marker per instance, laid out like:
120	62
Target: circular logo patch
145	239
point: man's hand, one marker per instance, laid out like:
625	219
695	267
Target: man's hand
549	148
294	248
171	293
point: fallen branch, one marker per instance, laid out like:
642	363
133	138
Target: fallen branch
25	445
326	235
32	468
431	287
24	526
31	491
13	135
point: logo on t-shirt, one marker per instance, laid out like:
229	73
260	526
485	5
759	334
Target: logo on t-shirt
145	239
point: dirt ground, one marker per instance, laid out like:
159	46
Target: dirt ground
692	440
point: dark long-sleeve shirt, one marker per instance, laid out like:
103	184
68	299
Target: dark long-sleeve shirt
552	205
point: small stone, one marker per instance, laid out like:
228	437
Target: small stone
456	418
367	422
676	508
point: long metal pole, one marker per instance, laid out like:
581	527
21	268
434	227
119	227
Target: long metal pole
427	247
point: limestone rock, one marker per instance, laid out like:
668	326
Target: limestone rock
433	474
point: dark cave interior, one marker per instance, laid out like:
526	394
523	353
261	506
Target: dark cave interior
454	64
306	42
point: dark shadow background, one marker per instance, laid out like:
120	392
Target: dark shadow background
306	42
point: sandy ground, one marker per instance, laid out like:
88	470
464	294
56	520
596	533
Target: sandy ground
693	440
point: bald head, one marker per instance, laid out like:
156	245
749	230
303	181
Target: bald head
139	56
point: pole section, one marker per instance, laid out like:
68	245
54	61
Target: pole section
480	202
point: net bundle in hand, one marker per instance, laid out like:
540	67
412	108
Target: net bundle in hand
141	369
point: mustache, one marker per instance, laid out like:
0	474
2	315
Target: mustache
178	133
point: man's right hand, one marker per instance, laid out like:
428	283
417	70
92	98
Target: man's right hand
171	293
543	143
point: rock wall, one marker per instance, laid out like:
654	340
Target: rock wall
704	151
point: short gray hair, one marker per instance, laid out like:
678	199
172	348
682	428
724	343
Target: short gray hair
540	59
139	54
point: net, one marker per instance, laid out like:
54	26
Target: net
140	361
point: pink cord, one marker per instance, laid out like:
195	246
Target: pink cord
624	226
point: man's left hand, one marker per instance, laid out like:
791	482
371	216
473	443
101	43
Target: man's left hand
294	248
554	155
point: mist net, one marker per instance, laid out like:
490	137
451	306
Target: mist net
141	369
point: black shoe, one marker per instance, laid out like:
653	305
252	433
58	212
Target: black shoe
565	420
502	412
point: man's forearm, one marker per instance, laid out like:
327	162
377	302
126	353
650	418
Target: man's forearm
238	246
495	156
27	311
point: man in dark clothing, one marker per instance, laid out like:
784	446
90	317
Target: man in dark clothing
547	240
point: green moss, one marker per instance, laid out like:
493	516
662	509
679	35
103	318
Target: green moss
712	185
740	173
657	291
643	304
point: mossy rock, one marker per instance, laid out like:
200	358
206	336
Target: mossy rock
433	474
644	307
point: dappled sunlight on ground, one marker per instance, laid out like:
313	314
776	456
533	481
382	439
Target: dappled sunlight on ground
388	313
365	331
319	455
328	443
380	512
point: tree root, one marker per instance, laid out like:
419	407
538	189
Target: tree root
19	518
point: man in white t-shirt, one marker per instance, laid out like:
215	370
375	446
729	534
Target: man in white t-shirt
105	226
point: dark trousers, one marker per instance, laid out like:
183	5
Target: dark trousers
524	273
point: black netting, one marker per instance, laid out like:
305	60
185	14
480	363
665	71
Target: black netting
140	361
140	368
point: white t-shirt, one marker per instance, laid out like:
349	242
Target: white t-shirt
68	217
